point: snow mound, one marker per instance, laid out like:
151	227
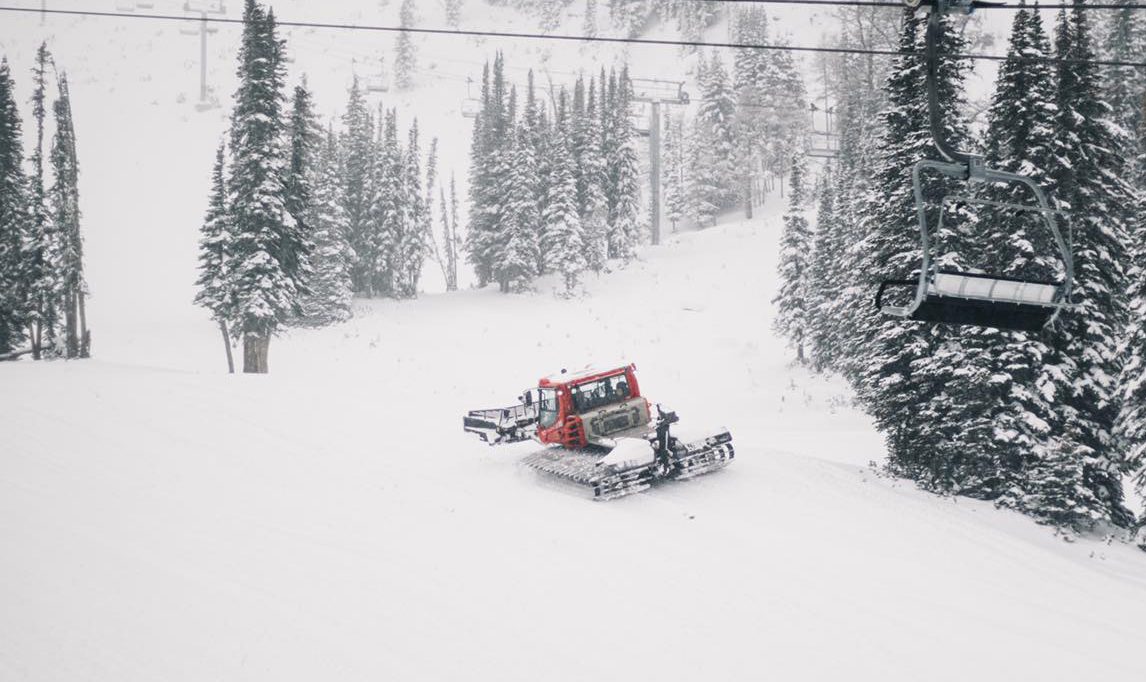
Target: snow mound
629	453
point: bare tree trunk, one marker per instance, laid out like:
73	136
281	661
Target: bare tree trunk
71	327
34	337
747	194
85	335
227	345
255	350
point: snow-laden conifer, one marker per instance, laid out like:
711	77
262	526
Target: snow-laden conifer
329	297
264	281
1088	185
357	153
792	300
622	191
901	373
64	200
586	148
674	170
213	286
565	248
517	262
13	219
413	245
41	247
714	179
406	54
823	282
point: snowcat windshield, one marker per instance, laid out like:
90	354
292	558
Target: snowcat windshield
547	407
599	393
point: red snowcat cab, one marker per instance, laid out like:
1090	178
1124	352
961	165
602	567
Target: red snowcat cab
604	431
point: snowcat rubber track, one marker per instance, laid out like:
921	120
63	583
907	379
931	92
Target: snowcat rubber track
704	456
583	468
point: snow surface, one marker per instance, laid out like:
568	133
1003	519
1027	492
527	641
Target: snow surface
160	520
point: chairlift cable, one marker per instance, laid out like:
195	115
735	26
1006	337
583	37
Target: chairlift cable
573	38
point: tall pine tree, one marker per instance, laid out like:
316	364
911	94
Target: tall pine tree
213	284
1087	184
357	153
264	275
794	271
65	204
13	219
330	292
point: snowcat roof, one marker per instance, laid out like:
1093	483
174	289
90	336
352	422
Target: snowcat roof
583	375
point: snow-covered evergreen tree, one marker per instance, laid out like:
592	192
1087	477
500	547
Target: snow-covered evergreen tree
752	82
446	254
329	297
454	13
622	189
517	262
305	134
357	153
453	243
263	282
413	246
551	12
630	15
823	279
714	179
13	218
674	181
694	17
1124	87
64	196
41	246
901	380
1018	401
406	54
488	159
1131	425
213	286
1086	169
792	300
565	250
589	22
388	213
586	140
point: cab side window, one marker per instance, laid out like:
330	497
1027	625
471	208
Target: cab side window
606	391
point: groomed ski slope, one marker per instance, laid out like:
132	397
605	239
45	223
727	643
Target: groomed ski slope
160	520
331	520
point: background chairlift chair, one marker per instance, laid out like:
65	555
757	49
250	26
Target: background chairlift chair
983	300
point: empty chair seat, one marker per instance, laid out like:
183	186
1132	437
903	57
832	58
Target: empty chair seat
1006	289
980	300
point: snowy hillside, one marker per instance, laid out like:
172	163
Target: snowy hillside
161	520
332	519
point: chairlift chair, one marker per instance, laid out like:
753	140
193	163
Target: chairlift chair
825	147
125	6
471	107
974	298
640	118
376	84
